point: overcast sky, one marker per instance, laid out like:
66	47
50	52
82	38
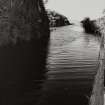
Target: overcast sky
77	9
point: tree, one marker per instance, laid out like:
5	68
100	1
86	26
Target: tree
89	25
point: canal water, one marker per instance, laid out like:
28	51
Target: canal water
61	74
71	66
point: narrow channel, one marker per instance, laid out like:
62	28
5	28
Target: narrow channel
72	64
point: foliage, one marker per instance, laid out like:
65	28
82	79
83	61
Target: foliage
22	19
89	26
56	19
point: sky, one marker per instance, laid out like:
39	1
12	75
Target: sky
78	9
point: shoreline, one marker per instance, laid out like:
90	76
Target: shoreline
97	97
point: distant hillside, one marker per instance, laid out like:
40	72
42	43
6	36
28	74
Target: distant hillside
56	19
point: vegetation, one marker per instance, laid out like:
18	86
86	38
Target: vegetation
101	22
90	26
24	34
23	20
56	19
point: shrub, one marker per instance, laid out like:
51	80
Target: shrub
90	26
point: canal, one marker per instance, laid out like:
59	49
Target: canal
61	74
71	66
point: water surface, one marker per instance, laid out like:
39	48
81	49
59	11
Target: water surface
72	64
31	74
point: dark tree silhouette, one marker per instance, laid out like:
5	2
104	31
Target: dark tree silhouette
89	26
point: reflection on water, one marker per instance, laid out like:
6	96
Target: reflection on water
72	64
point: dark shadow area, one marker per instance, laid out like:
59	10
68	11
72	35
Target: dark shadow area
66	92
22	71
24	37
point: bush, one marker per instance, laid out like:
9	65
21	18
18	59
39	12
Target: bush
89	26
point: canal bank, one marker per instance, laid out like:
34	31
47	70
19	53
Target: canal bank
97	97
24	36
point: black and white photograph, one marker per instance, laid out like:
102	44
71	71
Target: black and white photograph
52	52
